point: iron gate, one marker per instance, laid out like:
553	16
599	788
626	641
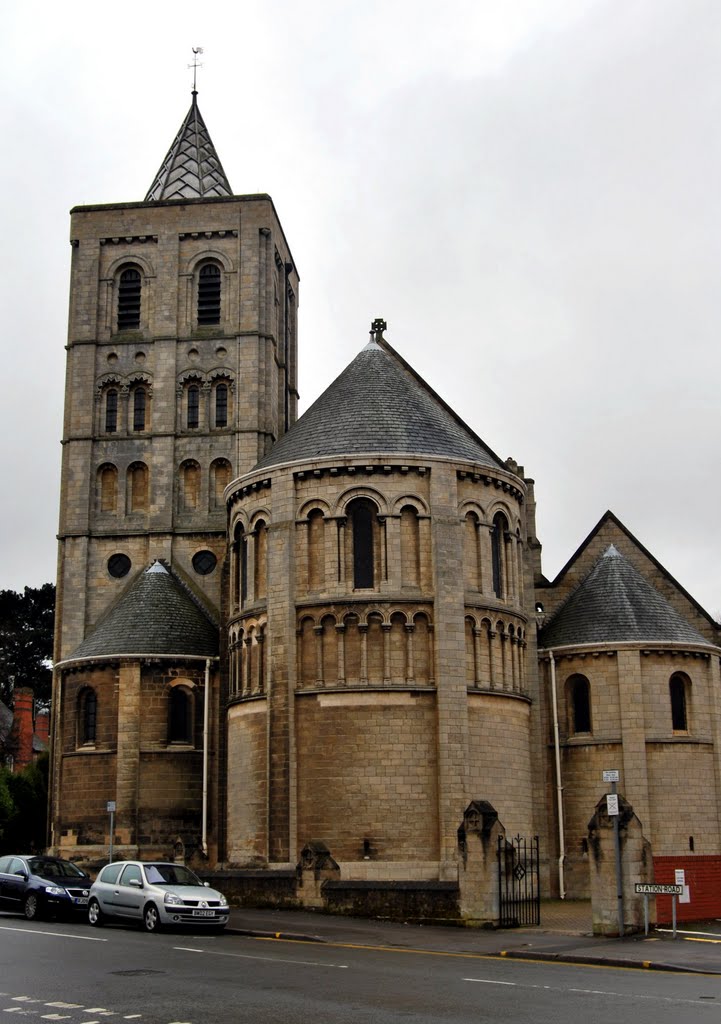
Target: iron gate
518	882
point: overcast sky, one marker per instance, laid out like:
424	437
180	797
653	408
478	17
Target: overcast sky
528	192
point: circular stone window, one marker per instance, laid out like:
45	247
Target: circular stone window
204	562
119	566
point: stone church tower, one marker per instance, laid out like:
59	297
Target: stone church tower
181	374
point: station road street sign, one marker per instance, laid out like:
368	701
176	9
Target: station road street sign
651	889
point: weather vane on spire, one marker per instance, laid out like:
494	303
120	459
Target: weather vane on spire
196	64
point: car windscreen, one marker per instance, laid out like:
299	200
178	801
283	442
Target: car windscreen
54	868
170	874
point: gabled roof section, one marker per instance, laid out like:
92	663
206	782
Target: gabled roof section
379	404
156	615
192	169
615	604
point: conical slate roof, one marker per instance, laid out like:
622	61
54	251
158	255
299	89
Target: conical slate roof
191	170
615	604
155	616
379	405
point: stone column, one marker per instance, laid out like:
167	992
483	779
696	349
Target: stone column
281	633
450	663
633	731
128	759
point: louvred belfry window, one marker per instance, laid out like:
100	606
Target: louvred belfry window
209	295
129	286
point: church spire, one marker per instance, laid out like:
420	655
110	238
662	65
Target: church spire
191	169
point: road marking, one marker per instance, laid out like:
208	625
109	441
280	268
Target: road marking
66	1006
25	999
701	1000
55	935
266	959
489	981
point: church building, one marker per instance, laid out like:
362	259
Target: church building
323	639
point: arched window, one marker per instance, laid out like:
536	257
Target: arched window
498	553
579	694
189	485
221	404
678	687
472	551
363	513
220	472
192	397
111	411
140	398
260	534
316	550
240	568
129	289
410	547
108	488
87	716
209	295
180	716
137	487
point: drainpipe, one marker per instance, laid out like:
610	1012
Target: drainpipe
559	784
206	705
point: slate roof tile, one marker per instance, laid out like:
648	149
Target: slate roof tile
379	405
156	615
616	604
191	168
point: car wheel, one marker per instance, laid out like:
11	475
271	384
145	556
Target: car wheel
95	914
31	906
151	918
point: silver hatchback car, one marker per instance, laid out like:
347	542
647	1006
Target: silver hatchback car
155	894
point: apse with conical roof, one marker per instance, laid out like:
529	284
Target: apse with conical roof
191	168
156	615
378	404
615	604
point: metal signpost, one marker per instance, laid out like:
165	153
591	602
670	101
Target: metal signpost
647	889
111	812
612	776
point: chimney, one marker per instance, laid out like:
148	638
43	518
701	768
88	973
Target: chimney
22	731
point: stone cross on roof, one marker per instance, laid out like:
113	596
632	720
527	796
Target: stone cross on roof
377	327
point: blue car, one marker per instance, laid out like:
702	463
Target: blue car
39	886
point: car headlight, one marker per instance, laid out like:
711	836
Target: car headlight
55	890
171	900
223	901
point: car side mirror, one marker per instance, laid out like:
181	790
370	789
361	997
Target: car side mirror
22	874
136	883
206	884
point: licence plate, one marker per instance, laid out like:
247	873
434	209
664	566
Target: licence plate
81	900
203	913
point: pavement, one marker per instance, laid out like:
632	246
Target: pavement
564	936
